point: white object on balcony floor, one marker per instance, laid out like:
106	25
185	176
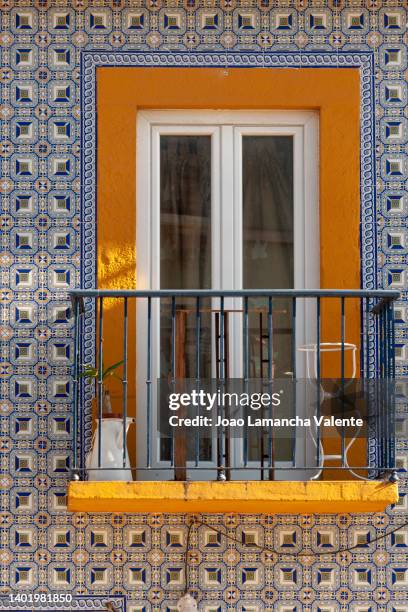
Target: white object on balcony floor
111	467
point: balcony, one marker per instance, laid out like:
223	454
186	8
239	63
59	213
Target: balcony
327	444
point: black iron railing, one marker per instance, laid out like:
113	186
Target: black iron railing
188	334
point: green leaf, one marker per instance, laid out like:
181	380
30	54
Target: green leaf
89	372
109	371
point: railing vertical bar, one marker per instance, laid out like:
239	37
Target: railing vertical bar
198	338
81	385
149	381
246	371
383	328
377	374
173	339
362	347
293	347
378	324
388	405
381	343
389	336
385	356
375	393
221	435
246	340
270	339
384	390
343	329
367	337
383	339
271	459
76	382
393	340
173	364
388	344
222	340
390	325
385	351
380	392
391	386
100	381
198	365
294	373
125	380
318	435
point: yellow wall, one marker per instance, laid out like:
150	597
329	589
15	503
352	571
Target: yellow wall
334	93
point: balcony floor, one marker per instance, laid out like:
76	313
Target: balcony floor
242	497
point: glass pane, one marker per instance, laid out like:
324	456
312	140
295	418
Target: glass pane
268	211
268	257
185	212
185	257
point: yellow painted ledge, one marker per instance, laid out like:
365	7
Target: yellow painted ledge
242	497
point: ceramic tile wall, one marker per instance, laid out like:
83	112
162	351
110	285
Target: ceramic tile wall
142	557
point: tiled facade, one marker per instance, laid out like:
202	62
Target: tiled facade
142	557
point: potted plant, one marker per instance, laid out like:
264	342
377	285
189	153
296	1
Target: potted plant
91	373
112	461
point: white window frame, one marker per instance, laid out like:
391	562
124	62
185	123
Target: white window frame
226	129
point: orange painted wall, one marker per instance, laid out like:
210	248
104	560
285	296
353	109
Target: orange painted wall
334	93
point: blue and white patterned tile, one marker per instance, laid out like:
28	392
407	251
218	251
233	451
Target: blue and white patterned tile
42	44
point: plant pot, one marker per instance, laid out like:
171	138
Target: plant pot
111	461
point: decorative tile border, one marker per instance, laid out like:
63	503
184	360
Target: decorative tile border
91	60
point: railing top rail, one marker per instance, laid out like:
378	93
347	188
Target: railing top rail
382	294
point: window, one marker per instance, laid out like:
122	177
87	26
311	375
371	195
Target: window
225	200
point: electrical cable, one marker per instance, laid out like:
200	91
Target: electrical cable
190	526
278	552
189	603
